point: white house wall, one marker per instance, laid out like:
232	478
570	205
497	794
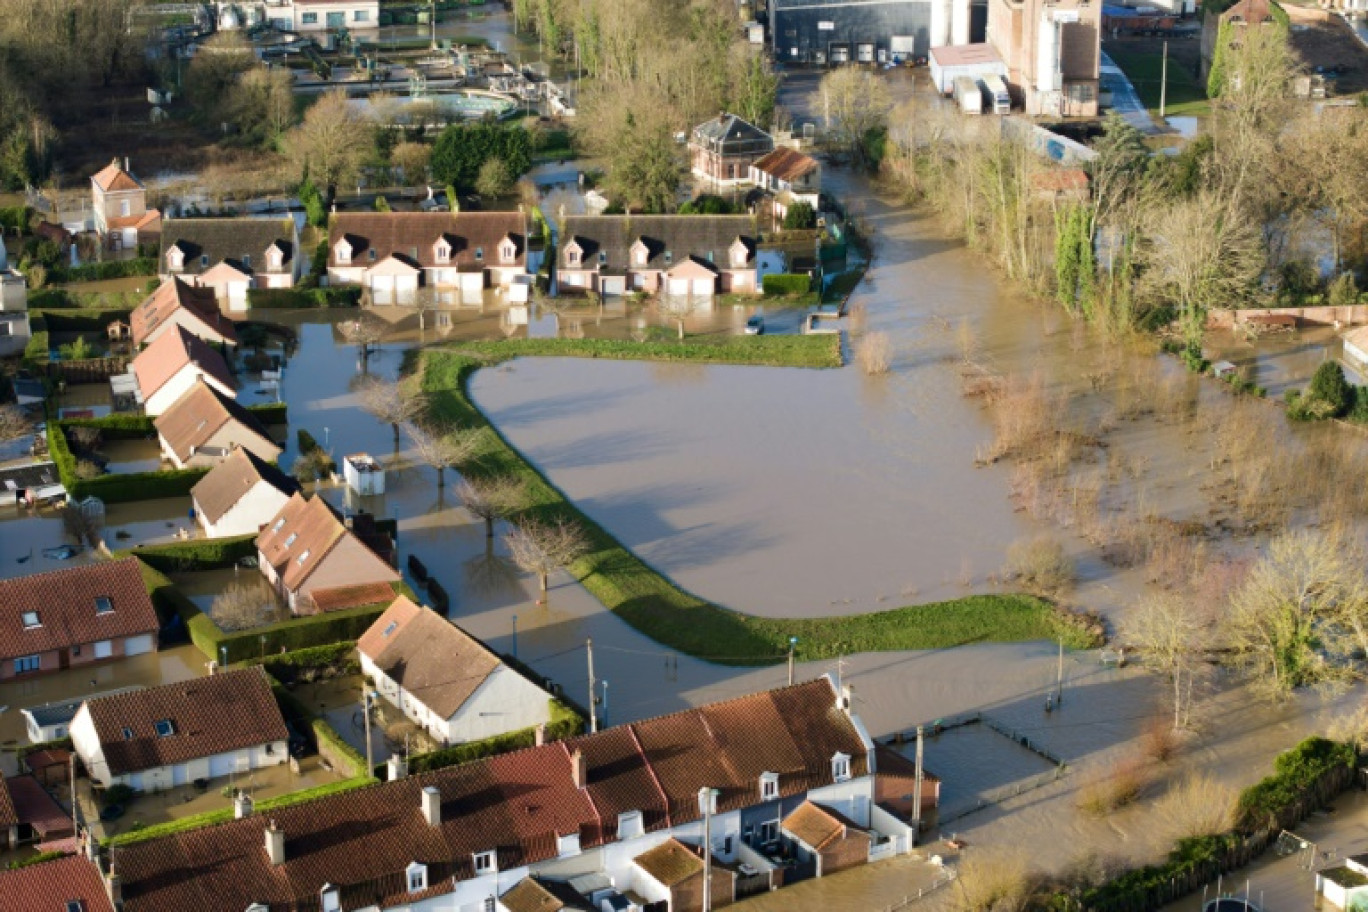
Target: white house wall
262	502
87	745
179	384
504	702
852	798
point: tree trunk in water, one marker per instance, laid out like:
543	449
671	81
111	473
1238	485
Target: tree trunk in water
681	330
441	477
395	426
543	582
489	528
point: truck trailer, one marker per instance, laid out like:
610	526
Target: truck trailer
967	95
996	98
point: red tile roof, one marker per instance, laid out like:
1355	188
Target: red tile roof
515	804
173	351
300	537
52	885
224	712
8	816
438	663
376	638
41	760
65	602
35	807
786	164
112	177
340	598
1060	180
208	322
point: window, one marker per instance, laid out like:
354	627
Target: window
508	253
75	650
290	539
443	251
6	329
204	260
1081	92
246	261
669	258
840	767
603	257
127	733
568	845
332	899
279	524
31	619
629	824
489	904
572	257
303	557
389	628
361	16
103	604
25	664
165	728
641	256
769	786
479	254
371	254
310	19
417	877
125	208
75	905
484	863
343	252
768	832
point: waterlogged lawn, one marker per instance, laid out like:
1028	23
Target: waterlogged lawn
656	606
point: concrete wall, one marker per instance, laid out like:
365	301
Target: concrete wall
849	851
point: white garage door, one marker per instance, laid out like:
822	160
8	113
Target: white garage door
678	286
138	645
104	649
180	774
237	296
612	285
702	286
222	765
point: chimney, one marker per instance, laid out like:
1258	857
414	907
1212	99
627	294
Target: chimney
213	667
579	769
275	844
432	805
541	733
114	887
126	168
397	767
242	805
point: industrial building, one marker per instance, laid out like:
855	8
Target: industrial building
1052	51
833	32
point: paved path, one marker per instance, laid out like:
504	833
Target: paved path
1124	99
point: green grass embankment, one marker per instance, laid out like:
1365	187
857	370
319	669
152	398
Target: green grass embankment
651	603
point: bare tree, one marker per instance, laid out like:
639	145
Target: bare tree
80	527
491	498
854	104
425	302
242	605
677	308
365	332
1172	635
14	423
1292	621
330	144
391	401
543	547
445	447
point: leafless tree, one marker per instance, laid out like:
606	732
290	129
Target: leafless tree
14	423
80	527
543	547
491	498
330	144
874	351
242	605
853	102
1298	616
365	332
394	402
445	447
425	302
1172	635
677	308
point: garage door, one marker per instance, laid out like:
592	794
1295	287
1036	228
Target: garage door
138	645
222	765
180	774
678	287
382	289
104	649
237	296
613	285
702	286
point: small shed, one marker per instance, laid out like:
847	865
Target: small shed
363	474
974	60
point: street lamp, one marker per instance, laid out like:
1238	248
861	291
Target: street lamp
515	636
793	647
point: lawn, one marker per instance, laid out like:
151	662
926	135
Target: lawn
1186	96
770	351
658	608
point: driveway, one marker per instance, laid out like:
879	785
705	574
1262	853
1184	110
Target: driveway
1124	99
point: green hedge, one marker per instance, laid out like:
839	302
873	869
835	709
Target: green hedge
301	632
787	284
565	723
36	859
271	412
223	815
195	555
131	486
1295	773
169	601
99	272
301	298
287	667
38	347
340	749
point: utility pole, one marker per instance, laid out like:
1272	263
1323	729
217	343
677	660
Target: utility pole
1059	676
75	820
793	646
593	714
365	714
707	798
1163	82
917	790
515	636
605	702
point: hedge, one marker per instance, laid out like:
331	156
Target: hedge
287	667
58	744
340	749
38	347
98	272
565	723
199	554
169	601
117	488
223	815
301	298
787	283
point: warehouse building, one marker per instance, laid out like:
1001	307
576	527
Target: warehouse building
835	32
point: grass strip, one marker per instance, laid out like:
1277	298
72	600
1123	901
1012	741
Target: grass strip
767	351
651	603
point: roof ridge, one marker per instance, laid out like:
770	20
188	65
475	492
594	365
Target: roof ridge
149	691
60	570
650	771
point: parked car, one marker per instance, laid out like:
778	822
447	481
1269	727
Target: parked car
755	326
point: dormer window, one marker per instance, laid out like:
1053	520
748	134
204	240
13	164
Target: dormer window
246	261
303	557
769	786
343	252
175	260
640	254
479	254
31	619
442	251
390	628
279	524
127	733
417	877
572	256
629	825
330	898
508	252
274	258
669	258
485	863
204	260
740	253
371	254
603	258
290	539
103	605
840	768
165	728
710	256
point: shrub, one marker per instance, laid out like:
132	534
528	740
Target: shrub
118	793
800	217
1329	392
1040	563
1198	805
707	204
199	554
40	858
302	298
99	272
875	353
310	662
1113	787
1296	772
787	284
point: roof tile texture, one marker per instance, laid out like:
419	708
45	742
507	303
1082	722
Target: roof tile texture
65	603
193	419
230	480
431	658
170	353
241	242
49	886
172	296
412	237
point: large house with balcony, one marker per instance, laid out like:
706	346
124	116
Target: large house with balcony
455	255
231	255
600	816
121	214
672	254
722	150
